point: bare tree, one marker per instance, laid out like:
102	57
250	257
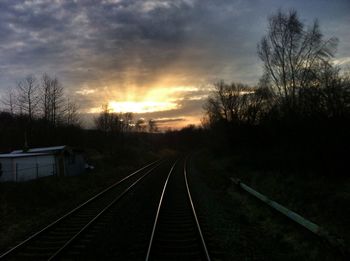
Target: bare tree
71	113
213	110
28	96
237	103
113	123
9	101
126	121
57	101
292	54
46	96
52	99
227	102
102	121
152	126
140	125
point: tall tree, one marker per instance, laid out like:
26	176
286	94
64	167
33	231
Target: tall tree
9	101
46	96
52	99
140	125
126	120
152	126
28	96
71	114
236	103
292	54
102	121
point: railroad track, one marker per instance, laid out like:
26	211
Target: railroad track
59	239
176	233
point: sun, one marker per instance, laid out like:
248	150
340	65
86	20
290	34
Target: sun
141	106
156	99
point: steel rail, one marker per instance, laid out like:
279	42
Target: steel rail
158	211
205	249
40	232
92	221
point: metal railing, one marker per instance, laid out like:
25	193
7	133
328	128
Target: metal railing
333	240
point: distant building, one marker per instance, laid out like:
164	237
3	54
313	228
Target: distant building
40	162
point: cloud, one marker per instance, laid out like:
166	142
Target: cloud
341	61
121	49
115	40
168	120
85	91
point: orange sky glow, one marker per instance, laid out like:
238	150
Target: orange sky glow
154	58
150	103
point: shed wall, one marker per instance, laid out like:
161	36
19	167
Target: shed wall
74	164
27	168
7	172
34	167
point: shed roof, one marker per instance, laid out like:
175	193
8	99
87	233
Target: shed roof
18	155
41	150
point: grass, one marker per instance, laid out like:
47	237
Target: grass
26	207
322	199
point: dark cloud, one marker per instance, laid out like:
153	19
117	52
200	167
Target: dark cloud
128	46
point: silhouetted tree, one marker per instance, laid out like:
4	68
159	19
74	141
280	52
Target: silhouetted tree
71	113
9	101
141	125
235	103
111	122
52	100
292	55
102	121
126	120
152	126
28	96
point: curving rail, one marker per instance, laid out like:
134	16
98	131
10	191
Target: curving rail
176	232
205	249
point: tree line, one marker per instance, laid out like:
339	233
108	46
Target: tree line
301	104
112	122
42	99
37	112
299	79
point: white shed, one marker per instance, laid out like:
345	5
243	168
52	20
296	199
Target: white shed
26	166
41	162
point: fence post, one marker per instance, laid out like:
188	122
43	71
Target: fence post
37	170
16	171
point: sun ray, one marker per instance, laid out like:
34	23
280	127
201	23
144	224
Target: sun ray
141	106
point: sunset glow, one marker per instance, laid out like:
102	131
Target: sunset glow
155	58
141	106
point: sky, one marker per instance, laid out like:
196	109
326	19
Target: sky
155	58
